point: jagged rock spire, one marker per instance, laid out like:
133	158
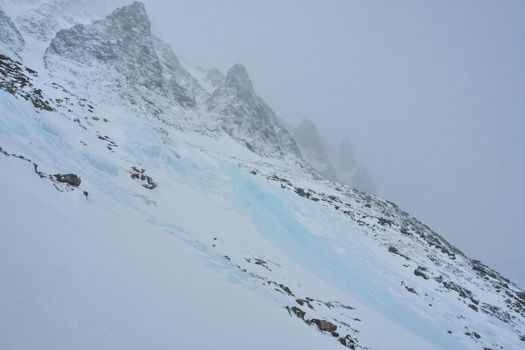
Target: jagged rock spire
237	78
247	118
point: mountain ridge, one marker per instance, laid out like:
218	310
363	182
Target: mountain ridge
219	232
338	165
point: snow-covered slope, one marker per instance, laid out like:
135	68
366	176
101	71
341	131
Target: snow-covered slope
126	229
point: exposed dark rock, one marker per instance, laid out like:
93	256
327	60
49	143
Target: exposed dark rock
404	230
348	342
301	192
297	312
110	144
463	292
286	289
303	302
332	304
324	325
70	179
262	263
145	180
394	250
384	222
15	80
473	307
411	290
420	272
496	311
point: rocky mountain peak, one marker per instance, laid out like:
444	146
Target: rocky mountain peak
248	118
338	165
310	142
131	18
138	66
237	78
313	148
125	32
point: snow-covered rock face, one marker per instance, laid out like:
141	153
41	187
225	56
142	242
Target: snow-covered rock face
119	46
176	79
11	41
119	55
247	118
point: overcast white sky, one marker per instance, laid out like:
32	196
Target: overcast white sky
432	94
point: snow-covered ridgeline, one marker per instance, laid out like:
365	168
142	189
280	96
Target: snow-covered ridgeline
246	248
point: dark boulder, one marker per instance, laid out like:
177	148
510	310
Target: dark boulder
324	325
70	179
348	342
298	312
420	272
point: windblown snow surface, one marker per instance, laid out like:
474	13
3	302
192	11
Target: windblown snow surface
182	235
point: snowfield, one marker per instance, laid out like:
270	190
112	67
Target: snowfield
200	226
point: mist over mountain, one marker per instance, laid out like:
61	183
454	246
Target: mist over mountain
339	164
147	202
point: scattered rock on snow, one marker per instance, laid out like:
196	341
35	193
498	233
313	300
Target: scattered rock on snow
145	180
